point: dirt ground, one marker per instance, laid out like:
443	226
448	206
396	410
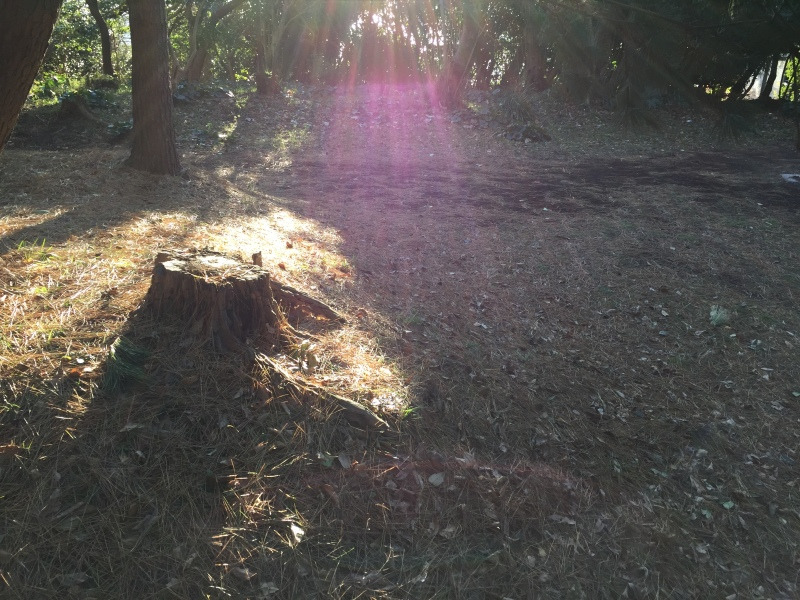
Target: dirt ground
587	350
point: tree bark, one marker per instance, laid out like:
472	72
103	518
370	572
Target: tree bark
197	62
535	63
220	299
204	40
266	85
153	132
25	29
105	37
230	306
457	71
769	80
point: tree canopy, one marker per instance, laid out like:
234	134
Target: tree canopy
630	55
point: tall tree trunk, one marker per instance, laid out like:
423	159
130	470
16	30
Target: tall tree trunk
769	80
25	29
197	62
535	63
105	37
457	71
513	68
153	132
266	85
205	33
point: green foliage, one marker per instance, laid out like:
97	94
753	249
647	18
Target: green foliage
49	88
74	52
35	251
631	55
95	98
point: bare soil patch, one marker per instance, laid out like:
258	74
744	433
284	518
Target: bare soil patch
586	350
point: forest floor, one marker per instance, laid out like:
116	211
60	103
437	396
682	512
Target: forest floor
586	349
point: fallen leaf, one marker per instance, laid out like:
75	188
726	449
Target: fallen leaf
325	459
328	490
345	461
561	519
267	590
298	533
719	315
436	479
131	427
70	579
9	450
449	532
261	392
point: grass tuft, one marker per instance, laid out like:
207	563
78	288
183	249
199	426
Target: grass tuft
124	365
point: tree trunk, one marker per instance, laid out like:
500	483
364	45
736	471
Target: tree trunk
535	63
769	80
197	62
25	29
221	300
153	132
457	71
105	37
228	305
204	36
265	84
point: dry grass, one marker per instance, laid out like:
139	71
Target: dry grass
533	321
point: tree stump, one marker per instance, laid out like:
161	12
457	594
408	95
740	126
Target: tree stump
74	106
220	298
231	304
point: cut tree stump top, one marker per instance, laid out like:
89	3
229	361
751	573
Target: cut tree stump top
214	268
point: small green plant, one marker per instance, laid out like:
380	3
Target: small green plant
344	265
306	358
48	89
35	251
290	140
409	412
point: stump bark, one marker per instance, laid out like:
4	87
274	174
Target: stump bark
233	306
221	299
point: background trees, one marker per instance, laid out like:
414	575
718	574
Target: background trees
631	55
